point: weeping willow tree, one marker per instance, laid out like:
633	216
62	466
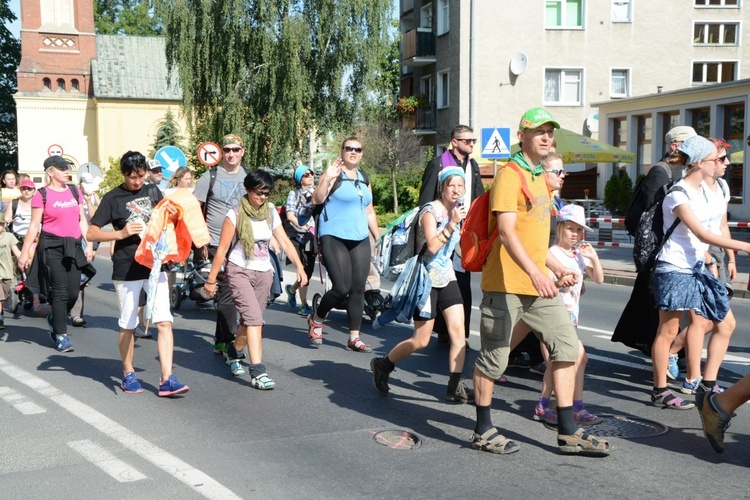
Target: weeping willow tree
273	70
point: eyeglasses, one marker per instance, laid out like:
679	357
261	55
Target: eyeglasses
307	174
262	194
232	150
468	141
350	149
558	173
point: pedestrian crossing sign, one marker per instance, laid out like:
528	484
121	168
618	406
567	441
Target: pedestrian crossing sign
496	143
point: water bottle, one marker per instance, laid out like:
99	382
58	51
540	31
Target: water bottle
400	235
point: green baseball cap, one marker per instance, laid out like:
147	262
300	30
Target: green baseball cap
535	118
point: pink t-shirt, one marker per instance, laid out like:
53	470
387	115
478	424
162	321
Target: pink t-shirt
61	214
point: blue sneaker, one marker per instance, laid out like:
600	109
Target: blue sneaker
673	370
172	387
130	384
63	344
291	297
690	386
305	310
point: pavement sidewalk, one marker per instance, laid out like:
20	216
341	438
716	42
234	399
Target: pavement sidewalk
619	269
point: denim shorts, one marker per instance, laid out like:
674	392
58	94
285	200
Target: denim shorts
678	289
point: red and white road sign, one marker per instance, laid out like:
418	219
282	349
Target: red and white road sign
55	150
209	154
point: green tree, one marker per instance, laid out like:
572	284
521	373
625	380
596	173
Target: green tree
273	70
10	57
112	177
168	134
126	17
391	148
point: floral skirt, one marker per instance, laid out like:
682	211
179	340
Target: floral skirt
677	289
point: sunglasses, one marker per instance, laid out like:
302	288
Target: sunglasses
468	141
350	149
136	160
232	150
64	169
307	174
261	193
558	173
722	159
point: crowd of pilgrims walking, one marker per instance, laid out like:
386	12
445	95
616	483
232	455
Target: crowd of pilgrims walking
532	280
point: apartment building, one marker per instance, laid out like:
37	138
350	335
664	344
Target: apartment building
484	62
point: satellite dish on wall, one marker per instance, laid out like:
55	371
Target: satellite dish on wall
518	63
592	122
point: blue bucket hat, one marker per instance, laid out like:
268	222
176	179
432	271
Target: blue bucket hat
449	171
299	172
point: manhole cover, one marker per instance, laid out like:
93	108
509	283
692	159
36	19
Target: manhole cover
398	439
624	427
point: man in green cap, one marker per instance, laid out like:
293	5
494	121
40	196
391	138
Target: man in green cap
517	286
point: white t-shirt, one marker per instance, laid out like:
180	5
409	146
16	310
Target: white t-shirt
718	200
683	249
571	295
260	260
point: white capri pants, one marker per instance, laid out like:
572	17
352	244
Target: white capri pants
128	293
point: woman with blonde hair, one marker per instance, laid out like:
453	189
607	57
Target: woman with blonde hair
182	178
59	209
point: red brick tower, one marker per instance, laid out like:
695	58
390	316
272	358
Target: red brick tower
57	45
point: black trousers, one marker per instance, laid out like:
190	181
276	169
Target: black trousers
226	311
64	284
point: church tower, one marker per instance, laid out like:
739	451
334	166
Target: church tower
57	46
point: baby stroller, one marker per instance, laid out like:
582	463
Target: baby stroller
189	281
21	295
374	300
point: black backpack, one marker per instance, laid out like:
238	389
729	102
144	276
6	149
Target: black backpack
650	235
636	208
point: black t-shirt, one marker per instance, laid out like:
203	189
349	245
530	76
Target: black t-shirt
119	207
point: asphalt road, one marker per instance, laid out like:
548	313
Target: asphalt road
68	431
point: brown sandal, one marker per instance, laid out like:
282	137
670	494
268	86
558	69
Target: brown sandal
583	443
493	442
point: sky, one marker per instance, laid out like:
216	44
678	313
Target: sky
15	26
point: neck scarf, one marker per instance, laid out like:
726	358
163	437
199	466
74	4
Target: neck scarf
245	212
448	160
520	160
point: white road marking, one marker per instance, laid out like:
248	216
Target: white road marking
19	402
107	462
196	479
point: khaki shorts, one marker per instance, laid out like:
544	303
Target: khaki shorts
547	318
5	290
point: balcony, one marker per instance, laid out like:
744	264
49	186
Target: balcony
422	121
407	8
426	120
418	47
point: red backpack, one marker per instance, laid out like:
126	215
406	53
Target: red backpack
476	242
